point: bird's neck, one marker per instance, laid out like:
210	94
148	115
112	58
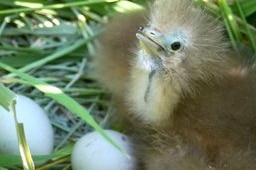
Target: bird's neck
152	96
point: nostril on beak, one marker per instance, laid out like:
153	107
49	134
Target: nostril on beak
141	28
152	33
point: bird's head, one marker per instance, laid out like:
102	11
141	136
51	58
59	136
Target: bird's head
181	41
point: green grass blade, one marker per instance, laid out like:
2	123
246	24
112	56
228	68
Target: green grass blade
248	7
248	31
7	97
59	53
54	6
12	160
231	23
27	161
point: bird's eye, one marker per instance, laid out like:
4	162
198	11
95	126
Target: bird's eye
175	46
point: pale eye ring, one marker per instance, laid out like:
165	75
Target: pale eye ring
175	46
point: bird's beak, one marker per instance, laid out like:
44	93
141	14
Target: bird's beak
150	40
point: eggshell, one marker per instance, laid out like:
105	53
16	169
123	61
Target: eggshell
37	127
93	152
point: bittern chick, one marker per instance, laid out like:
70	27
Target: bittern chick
190	99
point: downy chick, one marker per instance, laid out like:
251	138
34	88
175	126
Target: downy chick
190	99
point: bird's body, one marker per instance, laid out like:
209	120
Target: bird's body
190	100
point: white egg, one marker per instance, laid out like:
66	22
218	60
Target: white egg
93	152
37	127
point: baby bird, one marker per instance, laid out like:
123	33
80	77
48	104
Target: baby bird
189	100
